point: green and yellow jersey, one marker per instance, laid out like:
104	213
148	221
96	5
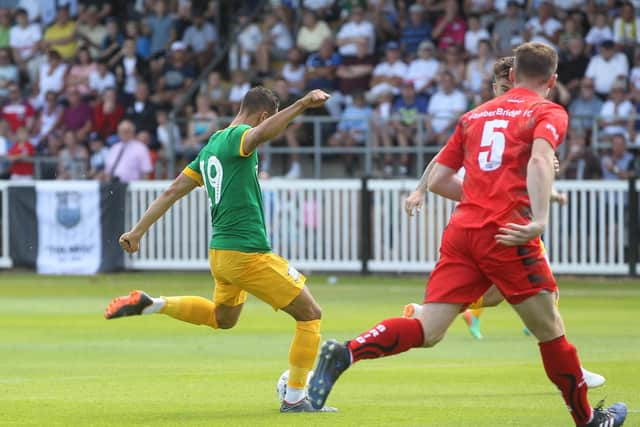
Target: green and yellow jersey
230	178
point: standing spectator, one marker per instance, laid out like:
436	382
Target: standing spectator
354	72
24	39
107	114
130	68
8	73
19	154
101	78
415	31
544	27
78	76
312	32
321	68
475	33
141	111
445	106
162	27
599	32
202	124
626	28
246	45
607	67
240	86
616	112
128	160
73	158
276	43
450	28
77	116
584	109
50	77
177	75
201	38
91	32
18	112
388	75
61	36
423	70
573	64
619	163
579	162
352	129
98	154
357	28
506	28
293	71
48	117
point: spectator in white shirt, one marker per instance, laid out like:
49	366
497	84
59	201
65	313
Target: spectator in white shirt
50	77
445	106
101	78
353	30
424	69
474	34
599	32
544	28
626	27
606	67
24	40
200	38
276	43
616	112
238	89
247	42
388	75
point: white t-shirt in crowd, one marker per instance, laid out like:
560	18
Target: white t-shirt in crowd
250	38
237	92
604	73
25	39
353	29
53	82
422	71
610	111
549	28
471	39
101	83
444	108
397	69
597	35
281	37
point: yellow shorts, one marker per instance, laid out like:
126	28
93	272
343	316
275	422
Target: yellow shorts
264	275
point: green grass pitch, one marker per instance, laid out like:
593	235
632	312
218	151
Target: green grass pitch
62	364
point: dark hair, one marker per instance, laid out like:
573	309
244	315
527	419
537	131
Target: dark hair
502	66
258	100
536	61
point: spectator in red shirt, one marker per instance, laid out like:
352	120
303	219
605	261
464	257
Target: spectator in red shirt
107	114
77	116
18	112
21	169
450	28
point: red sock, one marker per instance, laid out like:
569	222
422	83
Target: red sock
391	336
563	369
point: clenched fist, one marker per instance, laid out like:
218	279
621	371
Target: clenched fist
129	242
315	98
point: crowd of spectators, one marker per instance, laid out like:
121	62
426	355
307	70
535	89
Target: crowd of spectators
86	88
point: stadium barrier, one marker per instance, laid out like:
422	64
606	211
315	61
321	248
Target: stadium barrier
360	226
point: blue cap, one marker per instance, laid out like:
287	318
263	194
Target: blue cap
392	45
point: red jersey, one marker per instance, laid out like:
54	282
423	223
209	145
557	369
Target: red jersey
17	114
493	142
20	167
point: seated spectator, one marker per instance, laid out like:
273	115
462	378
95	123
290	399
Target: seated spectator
480	69
357	28
73	158
19	155
354	72
103	8
129	160
107	114
585	108
8	73
450	28
244	49
544	27
91	32
98	154
276	42
162	27
388	75
155	154
112	42
573	64
100	79
506	27
406	113
167	133
24	39
177	76
77	116
453	63
216	94
78	76
61	36
142	40
445	106
424	69
606	67
616	112
201	38
141	111
320	70
48	118
352	129
312	33
599	32
579	162
240	86
619	163
129	68
570	31
293	71
202	124
475	33
625	27
416	30
18	112
50	77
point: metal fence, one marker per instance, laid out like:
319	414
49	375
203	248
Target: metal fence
5	259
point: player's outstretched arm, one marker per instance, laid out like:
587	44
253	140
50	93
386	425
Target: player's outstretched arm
539	185
445	182
182	185
276	124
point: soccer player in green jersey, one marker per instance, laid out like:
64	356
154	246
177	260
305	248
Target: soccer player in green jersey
240	254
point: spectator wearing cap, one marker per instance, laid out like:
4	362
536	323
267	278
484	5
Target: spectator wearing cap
130	68
90	31
388	75
101	78
77	116
599	31
243	50
353	30
141	111
445	106
451	27
8	73
107	113
73	159
506	27
24	39
162	27
48	118
416	30
312	33
424	69
573	64
618	164
177	75
18	112
626	27
61	36
354	72
585	107
544	27
606	67
276	43
201	38
579	162
474	34
616	112
129	160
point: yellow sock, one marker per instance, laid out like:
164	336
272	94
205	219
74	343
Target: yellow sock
196	310
476	307
302	352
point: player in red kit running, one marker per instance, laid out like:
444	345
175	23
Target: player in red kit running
507	147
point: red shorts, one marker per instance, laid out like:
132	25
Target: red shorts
471	260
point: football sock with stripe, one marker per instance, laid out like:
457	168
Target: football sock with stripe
391	336
477	307
561	363
196	310
302	355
